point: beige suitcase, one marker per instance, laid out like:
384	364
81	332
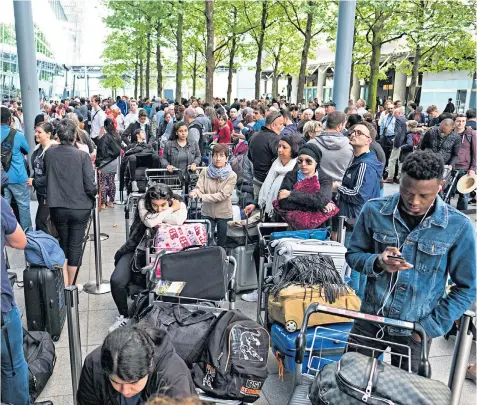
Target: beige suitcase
289	309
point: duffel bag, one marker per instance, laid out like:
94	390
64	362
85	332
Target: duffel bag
357	379
317	234
40	355
289	307
188	329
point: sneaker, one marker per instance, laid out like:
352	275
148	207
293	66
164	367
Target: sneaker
79	287
250	297
134	187
121	321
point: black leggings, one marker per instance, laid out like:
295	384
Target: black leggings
42	214
71	225
119	281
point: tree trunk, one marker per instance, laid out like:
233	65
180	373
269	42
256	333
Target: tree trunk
304	57
232	57
159	62
275	70
141	77
209	52
136	78
194	74
258	71
148	57
180	62
415	74
374	69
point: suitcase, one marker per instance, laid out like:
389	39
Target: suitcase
328	345
194	208
12	278
285	249
235	197
44	300
290	306
246	278
141	179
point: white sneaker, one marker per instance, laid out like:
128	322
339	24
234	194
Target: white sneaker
79	287
250	297
134	187
120	322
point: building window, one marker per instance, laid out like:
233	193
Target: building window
460	101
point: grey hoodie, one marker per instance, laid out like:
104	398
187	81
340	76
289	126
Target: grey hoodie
336	153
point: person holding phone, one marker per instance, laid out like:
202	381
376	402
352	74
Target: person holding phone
408	244
158	206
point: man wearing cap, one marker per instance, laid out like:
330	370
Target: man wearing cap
329	107
466	163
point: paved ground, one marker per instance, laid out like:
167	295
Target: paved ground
97	313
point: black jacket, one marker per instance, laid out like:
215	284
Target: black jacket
262	151
170	377
447	147
138	229
300	201
400	129
109	148
39	173
70	178
171	153
128	135
133	149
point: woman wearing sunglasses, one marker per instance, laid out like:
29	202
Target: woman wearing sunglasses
304	199
158	206
133	365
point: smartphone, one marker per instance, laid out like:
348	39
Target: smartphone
398	258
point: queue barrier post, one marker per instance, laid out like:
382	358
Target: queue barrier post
74	337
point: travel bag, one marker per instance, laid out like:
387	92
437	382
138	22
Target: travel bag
233	364
43	250
329	344
194	208
174	238
40	355
318	234
288	309
188	329
285	249
44	300
246	277
357	379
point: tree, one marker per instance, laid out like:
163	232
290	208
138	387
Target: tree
318	15
209	53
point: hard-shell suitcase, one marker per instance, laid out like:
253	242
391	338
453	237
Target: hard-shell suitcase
286	249
246	278
328	345
44	300
289	308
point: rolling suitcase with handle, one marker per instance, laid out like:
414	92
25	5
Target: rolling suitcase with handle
44	300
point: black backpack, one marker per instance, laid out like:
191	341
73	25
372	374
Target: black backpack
233	364
7	149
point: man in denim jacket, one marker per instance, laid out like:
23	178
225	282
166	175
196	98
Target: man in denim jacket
436	242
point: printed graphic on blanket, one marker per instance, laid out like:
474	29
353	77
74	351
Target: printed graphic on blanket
175	238
247	344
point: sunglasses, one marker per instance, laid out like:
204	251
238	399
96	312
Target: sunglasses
357	132
307	161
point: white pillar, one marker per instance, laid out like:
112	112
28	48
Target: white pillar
399	88
294	88
320	83
356	88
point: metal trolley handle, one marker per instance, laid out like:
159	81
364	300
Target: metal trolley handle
424	365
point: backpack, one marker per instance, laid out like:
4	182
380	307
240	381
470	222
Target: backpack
43	250
7	149
200	128
40	355
233	364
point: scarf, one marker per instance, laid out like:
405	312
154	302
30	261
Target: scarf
221	173
271	185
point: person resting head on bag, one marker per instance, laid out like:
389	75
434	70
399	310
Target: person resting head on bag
133	365
304	199
158	206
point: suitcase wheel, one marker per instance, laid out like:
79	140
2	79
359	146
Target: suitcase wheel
291	326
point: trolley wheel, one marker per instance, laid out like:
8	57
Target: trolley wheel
291	326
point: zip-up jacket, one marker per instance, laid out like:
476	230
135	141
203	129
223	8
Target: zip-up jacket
360	183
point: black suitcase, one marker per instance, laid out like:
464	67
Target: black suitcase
44	300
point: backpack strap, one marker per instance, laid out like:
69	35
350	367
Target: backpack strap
44	253
11	136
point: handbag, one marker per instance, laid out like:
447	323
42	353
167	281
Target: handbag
187	329
357	379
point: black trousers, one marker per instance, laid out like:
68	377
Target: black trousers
71	225
120	279
42	214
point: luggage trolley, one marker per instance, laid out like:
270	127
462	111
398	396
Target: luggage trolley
130	210
194	176
448	189
174	180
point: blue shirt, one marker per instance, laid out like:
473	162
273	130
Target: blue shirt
134	400
442	246
258	125
17	172
9	224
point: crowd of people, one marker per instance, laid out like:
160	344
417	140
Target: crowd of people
304	165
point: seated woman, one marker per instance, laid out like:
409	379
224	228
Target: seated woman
133	365
159	206
215	187
287	154
304	199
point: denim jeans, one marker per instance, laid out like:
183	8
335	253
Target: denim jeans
14	368
358	280
463	200
21	194
221	224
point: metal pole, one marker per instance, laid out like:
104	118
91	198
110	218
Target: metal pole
460	358
121	191
344	53
341	229
26	52
98	286
74	337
